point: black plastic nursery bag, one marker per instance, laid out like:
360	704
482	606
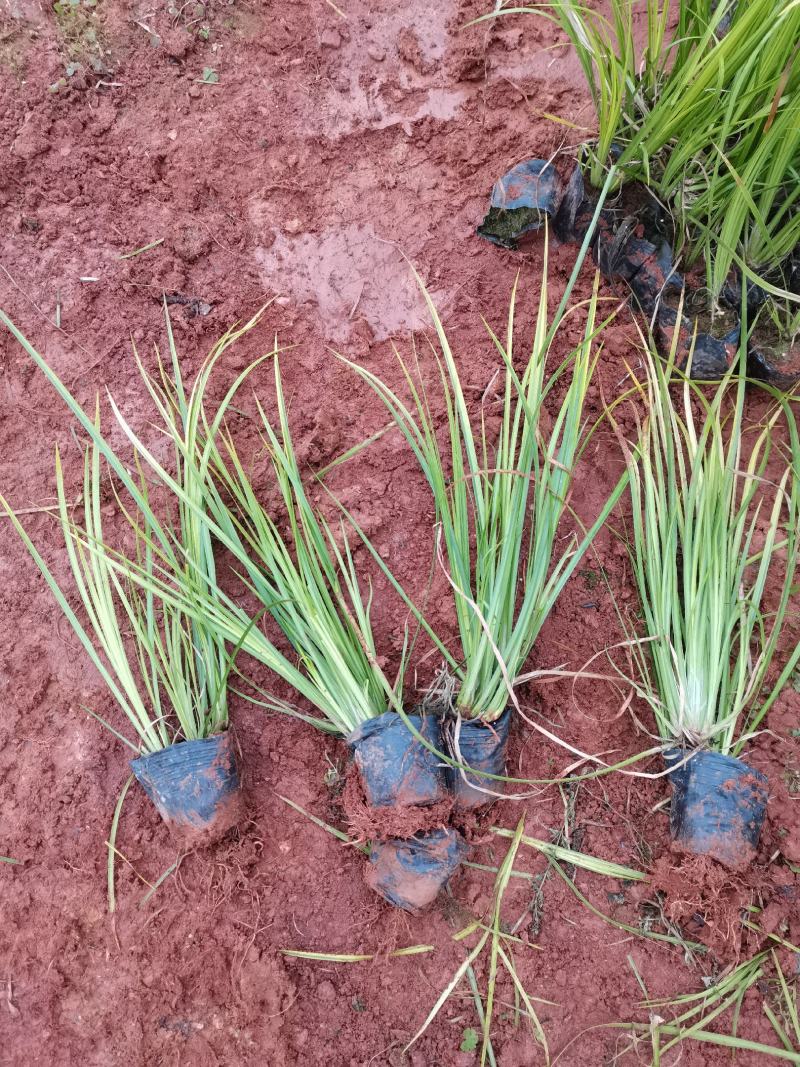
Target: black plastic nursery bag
781	372
195	786
520	202
396	768
410	872
483	746
711	357
718	806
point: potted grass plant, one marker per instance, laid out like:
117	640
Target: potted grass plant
698	124
302	571
713	546
302	575
499	505
165	668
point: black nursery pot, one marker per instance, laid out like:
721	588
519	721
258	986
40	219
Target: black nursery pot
711	357
520	202
782	372
718	806
483	746
195	787
397	769
410	872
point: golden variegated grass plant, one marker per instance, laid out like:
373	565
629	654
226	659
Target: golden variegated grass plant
165	667
500	499
714	547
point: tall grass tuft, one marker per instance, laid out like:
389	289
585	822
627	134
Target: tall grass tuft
164	664
714	552
500	498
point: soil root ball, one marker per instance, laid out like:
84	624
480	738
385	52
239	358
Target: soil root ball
718	806
195	787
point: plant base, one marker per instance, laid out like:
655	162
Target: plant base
409	873
482	746
395	767
195	787
718	806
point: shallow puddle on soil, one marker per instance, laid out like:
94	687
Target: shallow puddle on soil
387	70
384	29
350	273
344	111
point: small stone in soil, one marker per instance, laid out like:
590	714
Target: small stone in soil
326	991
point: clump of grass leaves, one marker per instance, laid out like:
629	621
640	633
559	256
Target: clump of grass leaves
164	663
697	1017
499	503
299	568
714	550
708	115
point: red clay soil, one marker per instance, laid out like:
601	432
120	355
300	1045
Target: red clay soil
327	150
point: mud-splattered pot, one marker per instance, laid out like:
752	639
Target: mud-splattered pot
195	786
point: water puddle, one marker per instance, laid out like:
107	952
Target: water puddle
349	273
405	83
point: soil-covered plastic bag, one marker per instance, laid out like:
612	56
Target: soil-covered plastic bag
396	768
195	787
482	746
718	806
711	357
732	294
409	873
654	276
782	371
520	202
576	210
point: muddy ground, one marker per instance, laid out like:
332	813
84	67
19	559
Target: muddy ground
278	151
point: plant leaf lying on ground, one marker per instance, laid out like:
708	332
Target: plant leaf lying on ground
709	1006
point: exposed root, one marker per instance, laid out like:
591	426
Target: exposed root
707	898
367	823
